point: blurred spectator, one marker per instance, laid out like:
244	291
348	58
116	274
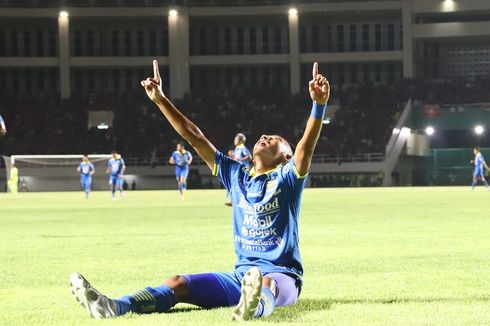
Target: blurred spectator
41	124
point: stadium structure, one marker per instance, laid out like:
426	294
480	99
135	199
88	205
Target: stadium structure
72	49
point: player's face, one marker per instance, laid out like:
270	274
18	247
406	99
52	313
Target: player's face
270	148
114	155
85	158
475	151
236	141
180	147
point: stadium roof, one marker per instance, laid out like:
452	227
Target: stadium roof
157	3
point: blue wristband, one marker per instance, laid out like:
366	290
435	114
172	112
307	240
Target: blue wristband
318	110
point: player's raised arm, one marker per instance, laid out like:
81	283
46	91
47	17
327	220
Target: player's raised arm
184	127
319	92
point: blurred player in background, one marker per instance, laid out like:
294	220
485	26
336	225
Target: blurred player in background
242	153
478	172
13	182
266	200
181	159
116	168
3	128
86	170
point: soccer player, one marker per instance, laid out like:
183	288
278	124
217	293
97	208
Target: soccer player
3	129
181	159
86	170
116	168
13	182
242	153
480	163
266	202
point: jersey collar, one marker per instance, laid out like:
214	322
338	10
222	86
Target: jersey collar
253	173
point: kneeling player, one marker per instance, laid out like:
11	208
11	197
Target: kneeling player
266	200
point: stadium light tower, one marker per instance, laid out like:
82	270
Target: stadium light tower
173	13
479	130
293	12
63	14
429	131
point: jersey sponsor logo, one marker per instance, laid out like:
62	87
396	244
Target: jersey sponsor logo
259	233
257	222
260	208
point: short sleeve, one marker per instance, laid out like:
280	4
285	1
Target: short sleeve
292	176
224	167
122	161
246	152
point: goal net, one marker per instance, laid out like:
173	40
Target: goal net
55	172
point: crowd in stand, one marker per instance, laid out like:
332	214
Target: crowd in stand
42	124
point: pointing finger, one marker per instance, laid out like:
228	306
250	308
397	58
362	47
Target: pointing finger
156	73
315	70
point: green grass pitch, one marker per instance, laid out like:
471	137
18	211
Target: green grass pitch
381	256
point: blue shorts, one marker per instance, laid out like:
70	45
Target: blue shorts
116	181
181	172
478	172
86	181
211	290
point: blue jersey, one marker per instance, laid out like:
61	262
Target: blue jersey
115	166
479	161
1	120
86	168
181	159
241	151
265	215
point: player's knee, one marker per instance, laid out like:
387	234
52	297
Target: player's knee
180	287
175	282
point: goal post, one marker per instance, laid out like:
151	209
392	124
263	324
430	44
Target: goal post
55	172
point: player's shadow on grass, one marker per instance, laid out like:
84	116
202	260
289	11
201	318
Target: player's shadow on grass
304	306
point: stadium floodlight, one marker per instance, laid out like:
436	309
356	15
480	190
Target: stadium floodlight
293	12
103	126
173	13
448	5
64	14
479	130
429	131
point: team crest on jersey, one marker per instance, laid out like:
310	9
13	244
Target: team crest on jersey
272	185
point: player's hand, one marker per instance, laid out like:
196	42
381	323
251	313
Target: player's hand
3	132
319	87
153	86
